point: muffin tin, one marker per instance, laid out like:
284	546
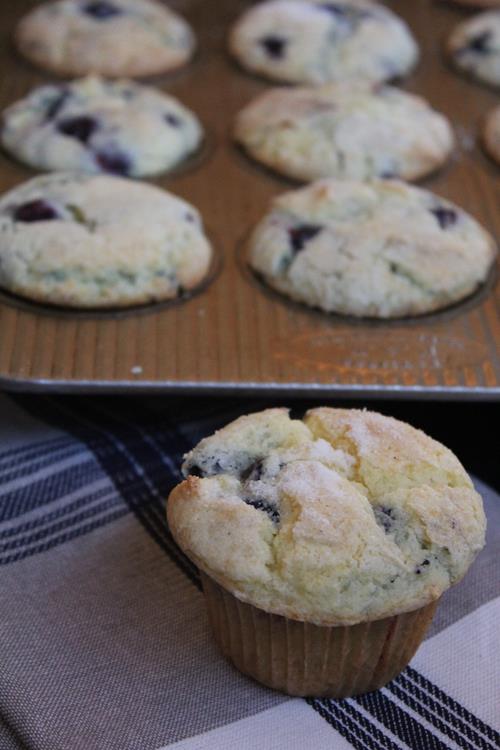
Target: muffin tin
235	335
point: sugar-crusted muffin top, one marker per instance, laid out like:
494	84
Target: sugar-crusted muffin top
342	517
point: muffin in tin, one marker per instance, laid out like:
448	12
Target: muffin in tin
354	131
97	241
97	126
114	38
380	249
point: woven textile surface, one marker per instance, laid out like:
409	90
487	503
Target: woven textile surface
104	640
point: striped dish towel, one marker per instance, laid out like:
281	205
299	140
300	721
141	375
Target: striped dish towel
104	642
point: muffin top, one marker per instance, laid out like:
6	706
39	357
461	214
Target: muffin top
112	37
353	131
315	41
341	517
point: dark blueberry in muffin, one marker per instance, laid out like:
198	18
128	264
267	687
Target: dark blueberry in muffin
345	13
173	120
446	217
334	8
479	43
272	512
274	46
254	472
423	564
301	234
113	162
55	105
37	210
101	9
384	517
80	128
212	467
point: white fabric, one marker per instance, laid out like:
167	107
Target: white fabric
292	725
469	647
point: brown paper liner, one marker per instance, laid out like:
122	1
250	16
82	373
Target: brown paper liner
300	658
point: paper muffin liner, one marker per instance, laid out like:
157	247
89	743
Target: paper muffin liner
300	658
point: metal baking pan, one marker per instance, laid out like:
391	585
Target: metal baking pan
235	335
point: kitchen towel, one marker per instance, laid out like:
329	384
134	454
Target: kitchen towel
104	641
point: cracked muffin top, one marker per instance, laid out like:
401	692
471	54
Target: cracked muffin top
341	517
378	249
353	131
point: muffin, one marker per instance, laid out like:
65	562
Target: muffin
354	131
113	38
97	241
324	544
95	126
316	41
378	249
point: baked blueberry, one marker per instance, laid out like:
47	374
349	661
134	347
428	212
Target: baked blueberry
173	120
101	9
114	162
385	517
479	44
446	217
274	46
37	210
55	105
272	512
423	564
301	234
80	128
253	473
336	10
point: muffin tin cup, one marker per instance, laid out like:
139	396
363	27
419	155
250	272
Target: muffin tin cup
303	659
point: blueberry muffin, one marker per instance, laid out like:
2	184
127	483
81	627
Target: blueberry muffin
93	125
474	47
116	38
99	241
380	249
356	131
315	41
324	534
